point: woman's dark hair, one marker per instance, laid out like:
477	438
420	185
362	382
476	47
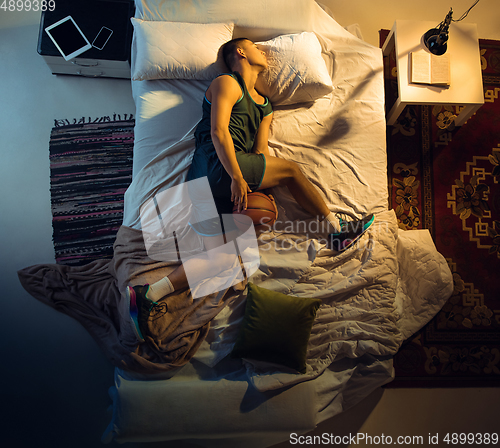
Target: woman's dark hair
229	51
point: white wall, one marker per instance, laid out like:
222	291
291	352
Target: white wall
373	15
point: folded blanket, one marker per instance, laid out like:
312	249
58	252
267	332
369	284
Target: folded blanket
93	294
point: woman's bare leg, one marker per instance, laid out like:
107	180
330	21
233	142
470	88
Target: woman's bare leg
178	277
281	172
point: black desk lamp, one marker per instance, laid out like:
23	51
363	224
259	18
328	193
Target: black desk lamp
436	38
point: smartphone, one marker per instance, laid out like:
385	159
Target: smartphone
102	38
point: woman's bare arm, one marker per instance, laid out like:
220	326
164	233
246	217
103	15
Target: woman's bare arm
260	145
223	94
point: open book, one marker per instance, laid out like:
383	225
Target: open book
427	68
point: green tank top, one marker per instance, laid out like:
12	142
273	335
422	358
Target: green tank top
244	123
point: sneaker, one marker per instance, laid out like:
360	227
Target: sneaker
350	232
141	308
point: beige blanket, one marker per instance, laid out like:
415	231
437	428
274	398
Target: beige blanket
93	294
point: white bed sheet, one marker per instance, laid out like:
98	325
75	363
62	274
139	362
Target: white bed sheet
339	141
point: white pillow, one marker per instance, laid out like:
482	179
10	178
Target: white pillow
177	50
296	72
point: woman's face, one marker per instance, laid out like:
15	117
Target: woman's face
254	54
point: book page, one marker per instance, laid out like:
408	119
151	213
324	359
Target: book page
420	67
440	69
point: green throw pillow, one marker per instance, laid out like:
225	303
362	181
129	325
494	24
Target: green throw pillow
276	328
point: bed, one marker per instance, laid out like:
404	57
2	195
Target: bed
328	99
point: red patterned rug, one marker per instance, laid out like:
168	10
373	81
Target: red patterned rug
445	179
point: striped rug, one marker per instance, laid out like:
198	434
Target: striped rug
90	169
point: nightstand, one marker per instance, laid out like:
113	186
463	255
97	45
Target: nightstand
91	15
466	87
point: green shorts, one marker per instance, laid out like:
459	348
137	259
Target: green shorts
207	163
253	167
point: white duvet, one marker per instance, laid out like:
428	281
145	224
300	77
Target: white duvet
374	296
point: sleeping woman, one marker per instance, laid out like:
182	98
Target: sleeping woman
232	152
